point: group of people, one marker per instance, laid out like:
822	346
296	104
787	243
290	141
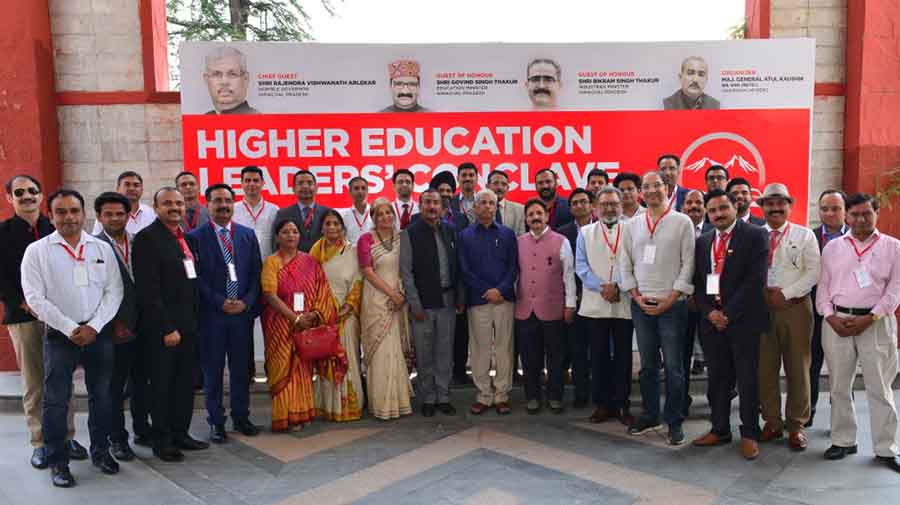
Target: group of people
158	298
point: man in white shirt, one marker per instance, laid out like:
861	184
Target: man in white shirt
357	220
131	184
71	281
404	205
793	271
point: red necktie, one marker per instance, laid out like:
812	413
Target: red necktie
404	218
773	244
719	251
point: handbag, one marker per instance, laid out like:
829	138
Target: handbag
321	342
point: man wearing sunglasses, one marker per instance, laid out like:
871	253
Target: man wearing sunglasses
28	225
543	83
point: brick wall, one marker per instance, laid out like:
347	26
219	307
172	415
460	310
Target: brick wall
826	21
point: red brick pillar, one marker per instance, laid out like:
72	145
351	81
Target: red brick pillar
29	137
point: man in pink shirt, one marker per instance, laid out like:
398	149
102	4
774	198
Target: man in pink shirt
858	293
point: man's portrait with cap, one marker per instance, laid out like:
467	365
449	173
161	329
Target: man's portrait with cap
227	81
405	81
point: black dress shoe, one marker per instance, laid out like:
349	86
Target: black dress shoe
580	404
217	434
428	410
39	458
446	409
187	443
143	440
76	451
892	462
169	454
246	428
121	451
105	463
61	476
837	452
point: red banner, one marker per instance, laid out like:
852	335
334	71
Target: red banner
760	145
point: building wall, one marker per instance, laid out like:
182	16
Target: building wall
97	48
826	21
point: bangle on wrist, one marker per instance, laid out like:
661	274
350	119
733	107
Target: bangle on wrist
297	319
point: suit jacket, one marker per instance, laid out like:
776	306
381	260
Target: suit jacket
167	299
570	231
460	219
212	272
128	310
675	101
512	216
743	279
680	194
758	221
561	214
308	236
420	267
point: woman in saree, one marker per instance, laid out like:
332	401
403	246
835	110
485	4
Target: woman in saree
297	297
385	326
341	401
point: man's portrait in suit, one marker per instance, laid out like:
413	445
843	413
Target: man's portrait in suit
694	75
227	80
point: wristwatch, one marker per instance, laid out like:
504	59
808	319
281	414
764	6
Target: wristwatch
875	317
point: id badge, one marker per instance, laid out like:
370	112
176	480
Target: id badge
863	279
649	254
712	284
81	275
772	279
232	272
298	302
189	269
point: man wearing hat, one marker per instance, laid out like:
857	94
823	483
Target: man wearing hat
404	81
793	270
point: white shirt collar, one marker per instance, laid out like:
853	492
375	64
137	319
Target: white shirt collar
538	237
781	228
358	213
220	228
258	206
56	238
728	230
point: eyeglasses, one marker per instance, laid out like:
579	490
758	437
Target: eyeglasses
219	75
608	205
537	79
33	191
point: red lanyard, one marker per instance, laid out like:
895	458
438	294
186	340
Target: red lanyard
365	218
860	254
250	211
37	235
652	227
773	246
312	211
179	235
228	245
719	249
123	251
71	252
612	248
193	222
134	217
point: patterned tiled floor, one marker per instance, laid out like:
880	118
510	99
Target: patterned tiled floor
520	459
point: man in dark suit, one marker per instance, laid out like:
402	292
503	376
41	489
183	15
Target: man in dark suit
165	273
229	282
461	212
743	194
729	279
112	210
694	209
307	214
832	214
669	167
557	206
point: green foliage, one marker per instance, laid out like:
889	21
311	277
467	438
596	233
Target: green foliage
738	31
887	188
239	20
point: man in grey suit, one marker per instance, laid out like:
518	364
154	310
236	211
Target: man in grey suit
694	75
509	213
112	211
307	214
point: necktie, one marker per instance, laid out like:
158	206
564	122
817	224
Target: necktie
719	251
499	215
231	287
773	243
404	218
305	213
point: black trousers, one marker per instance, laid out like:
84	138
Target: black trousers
172	385
815	364
611	361
125	376
692	331
578	350
539	340
460	346
732	357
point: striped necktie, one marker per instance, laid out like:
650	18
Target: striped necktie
231	287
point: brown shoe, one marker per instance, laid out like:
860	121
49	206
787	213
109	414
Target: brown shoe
478	408
749	448
797	440
503	408
600	415
770	433
712	439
